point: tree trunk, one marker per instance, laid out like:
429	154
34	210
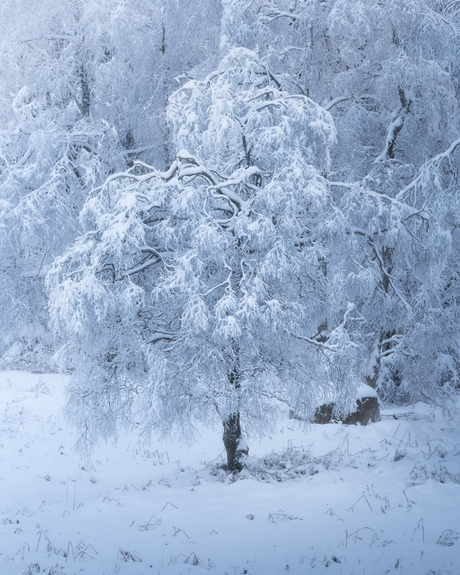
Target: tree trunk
234	444
167	144
85	93
379	350
405	106
233	439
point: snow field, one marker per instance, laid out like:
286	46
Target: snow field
331	499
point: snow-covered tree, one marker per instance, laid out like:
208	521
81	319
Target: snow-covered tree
388	73
401	273
198	293
51	150
397	137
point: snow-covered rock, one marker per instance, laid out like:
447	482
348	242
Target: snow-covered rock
367	409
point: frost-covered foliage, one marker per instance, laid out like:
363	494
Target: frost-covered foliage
201	290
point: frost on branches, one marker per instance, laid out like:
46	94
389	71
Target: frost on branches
204	292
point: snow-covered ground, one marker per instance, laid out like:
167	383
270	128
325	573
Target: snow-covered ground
336	499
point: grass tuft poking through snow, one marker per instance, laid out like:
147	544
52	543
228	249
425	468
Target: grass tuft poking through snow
333	499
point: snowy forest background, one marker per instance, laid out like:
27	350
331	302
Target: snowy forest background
210	210
214	215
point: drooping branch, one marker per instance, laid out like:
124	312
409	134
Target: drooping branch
158	336
424	170
377	195
142	266
192	167
336	101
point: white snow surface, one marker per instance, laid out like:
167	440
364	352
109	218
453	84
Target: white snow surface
331	499
365	391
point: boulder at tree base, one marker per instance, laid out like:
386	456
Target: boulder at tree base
367	410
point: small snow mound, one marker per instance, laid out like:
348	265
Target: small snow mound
365	391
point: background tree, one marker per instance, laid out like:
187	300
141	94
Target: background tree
405	113
84	88
388	74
